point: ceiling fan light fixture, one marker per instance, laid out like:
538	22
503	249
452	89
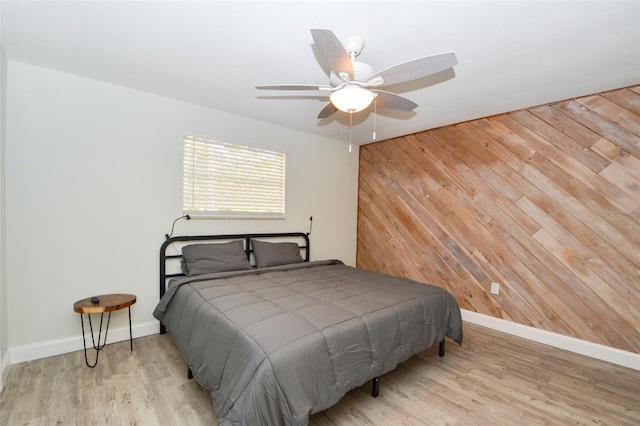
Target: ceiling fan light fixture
352	98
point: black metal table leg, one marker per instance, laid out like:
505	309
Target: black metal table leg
97	347
130	332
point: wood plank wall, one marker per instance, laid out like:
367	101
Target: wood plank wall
544	201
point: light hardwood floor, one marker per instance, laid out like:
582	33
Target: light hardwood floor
493	379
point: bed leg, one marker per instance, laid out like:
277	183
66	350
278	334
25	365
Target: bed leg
375	390
189	373
163	330
441	348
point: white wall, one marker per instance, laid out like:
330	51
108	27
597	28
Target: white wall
4	330
94	182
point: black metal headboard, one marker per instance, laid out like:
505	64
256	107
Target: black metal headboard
301	238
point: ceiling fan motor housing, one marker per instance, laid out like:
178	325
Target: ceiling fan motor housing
361	73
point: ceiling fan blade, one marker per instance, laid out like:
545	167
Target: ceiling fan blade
293	87
392	101
416	68
327	111
333	52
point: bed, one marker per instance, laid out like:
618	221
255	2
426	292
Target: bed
276	337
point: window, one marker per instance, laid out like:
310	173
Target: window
222	180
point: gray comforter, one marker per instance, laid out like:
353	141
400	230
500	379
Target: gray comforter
275	345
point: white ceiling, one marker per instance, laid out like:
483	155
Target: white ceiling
511	55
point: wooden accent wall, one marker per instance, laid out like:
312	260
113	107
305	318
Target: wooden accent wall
544	201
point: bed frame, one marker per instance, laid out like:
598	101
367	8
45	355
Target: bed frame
301	238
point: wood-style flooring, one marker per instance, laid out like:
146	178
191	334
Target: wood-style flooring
493	379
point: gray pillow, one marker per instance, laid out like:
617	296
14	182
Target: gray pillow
273	254
200	259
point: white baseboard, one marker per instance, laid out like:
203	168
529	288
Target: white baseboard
593	350
61	346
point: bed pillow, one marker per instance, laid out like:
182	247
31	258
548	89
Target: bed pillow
274	254
200	259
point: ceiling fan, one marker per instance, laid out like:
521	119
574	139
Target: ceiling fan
354	85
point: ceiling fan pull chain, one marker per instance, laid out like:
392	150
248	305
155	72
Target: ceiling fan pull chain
350	125
375	101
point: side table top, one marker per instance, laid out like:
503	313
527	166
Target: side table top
107	303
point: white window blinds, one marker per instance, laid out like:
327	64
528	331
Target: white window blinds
232	181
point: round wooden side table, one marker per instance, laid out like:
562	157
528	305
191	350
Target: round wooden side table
104	303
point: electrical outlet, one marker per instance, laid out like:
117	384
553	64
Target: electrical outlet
495	288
